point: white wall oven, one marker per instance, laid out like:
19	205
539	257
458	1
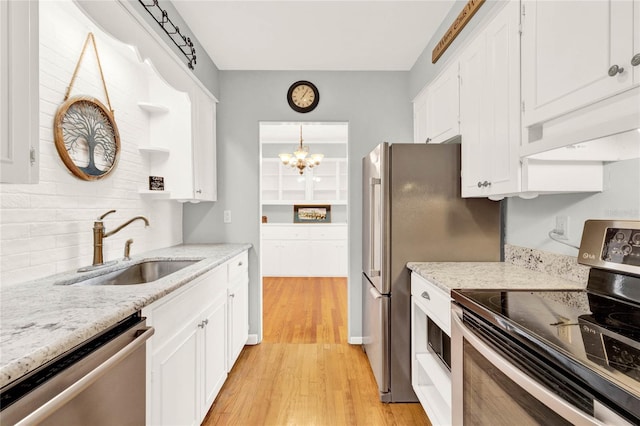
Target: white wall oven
554	357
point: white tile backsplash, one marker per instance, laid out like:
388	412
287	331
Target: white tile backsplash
46	228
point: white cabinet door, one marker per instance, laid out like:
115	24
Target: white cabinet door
238	306
568	49
328	258
271	254
204	150
19	92
443	102
175	380
489	100
420	118
214	366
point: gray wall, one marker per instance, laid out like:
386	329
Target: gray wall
377	108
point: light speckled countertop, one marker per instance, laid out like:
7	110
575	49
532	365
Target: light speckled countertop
40	320
489	275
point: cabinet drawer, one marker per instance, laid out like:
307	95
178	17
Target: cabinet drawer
320	232
285	232
238	266
171	315
434	301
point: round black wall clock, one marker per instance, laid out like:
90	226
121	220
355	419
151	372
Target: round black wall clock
303	96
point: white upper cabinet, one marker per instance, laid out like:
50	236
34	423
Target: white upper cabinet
443	107
578	78
574	53
199	175
420	118
489	113
19	92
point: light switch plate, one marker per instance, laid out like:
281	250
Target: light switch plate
227	216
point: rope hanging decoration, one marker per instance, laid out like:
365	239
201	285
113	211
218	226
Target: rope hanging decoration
85	131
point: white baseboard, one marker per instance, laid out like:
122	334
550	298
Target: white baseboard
252	339
357	340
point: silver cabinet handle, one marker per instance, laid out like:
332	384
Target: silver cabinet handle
635	61
201	325
69	393
232	295
199	191
479	184
428	140
538	391
484	184
615	70
425	295
206	321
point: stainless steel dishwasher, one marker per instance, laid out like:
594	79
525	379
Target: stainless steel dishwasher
100	382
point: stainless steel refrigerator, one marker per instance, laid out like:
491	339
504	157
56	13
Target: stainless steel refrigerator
413	211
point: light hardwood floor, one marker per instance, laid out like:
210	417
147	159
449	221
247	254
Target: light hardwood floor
304	372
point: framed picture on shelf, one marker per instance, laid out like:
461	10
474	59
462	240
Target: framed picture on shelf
311	214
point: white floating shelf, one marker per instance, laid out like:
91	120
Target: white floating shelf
154	150
160	195
152	108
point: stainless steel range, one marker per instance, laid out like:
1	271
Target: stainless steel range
555	357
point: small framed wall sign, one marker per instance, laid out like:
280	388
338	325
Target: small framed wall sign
156	183
311	214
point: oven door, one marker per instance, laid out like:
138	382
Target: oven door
490	389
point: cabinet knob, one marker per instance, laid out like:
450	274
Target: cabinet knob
635	61
201	325
615	70
232	295
425	295
479	184
486	183
199	191
206	321
428	140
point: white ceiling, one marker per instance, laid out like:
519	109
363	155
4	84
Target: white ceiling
324	35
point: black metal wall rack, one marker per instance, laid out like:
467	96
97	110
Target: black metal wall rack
162	18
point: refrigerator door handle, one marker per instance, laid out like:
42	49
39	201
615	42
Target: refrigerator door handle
372	225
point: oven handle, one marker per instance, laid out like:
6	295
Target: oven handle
538	391
72	391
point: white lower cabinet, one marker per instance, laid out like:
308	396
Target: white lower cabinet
300	250
198	330
237	307
431	379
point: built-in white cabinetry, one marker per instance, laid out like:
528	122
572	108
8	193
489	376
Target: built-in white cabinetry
19	92
578	78
431	379
568	62
299	250
436	109
200	330
237	306
489	108
326	183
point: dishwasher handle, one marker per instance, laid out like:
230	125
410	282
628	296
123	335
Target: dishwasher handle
72	391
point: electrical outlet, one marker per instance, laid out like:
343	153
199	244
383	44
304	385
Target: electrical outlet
562	227
227	216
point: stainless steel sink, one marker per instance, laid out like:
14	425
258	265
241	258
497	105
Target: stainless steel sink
140	273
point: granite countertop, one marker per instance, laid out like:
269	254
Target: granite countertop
489	275
42	319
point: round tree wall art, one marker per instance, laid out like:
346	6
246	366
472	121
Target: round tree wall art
87	138
85	132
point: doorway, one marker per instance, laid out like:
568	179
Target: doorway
304	203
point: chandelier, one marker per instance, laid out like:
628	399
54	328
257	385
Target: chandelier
301	158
